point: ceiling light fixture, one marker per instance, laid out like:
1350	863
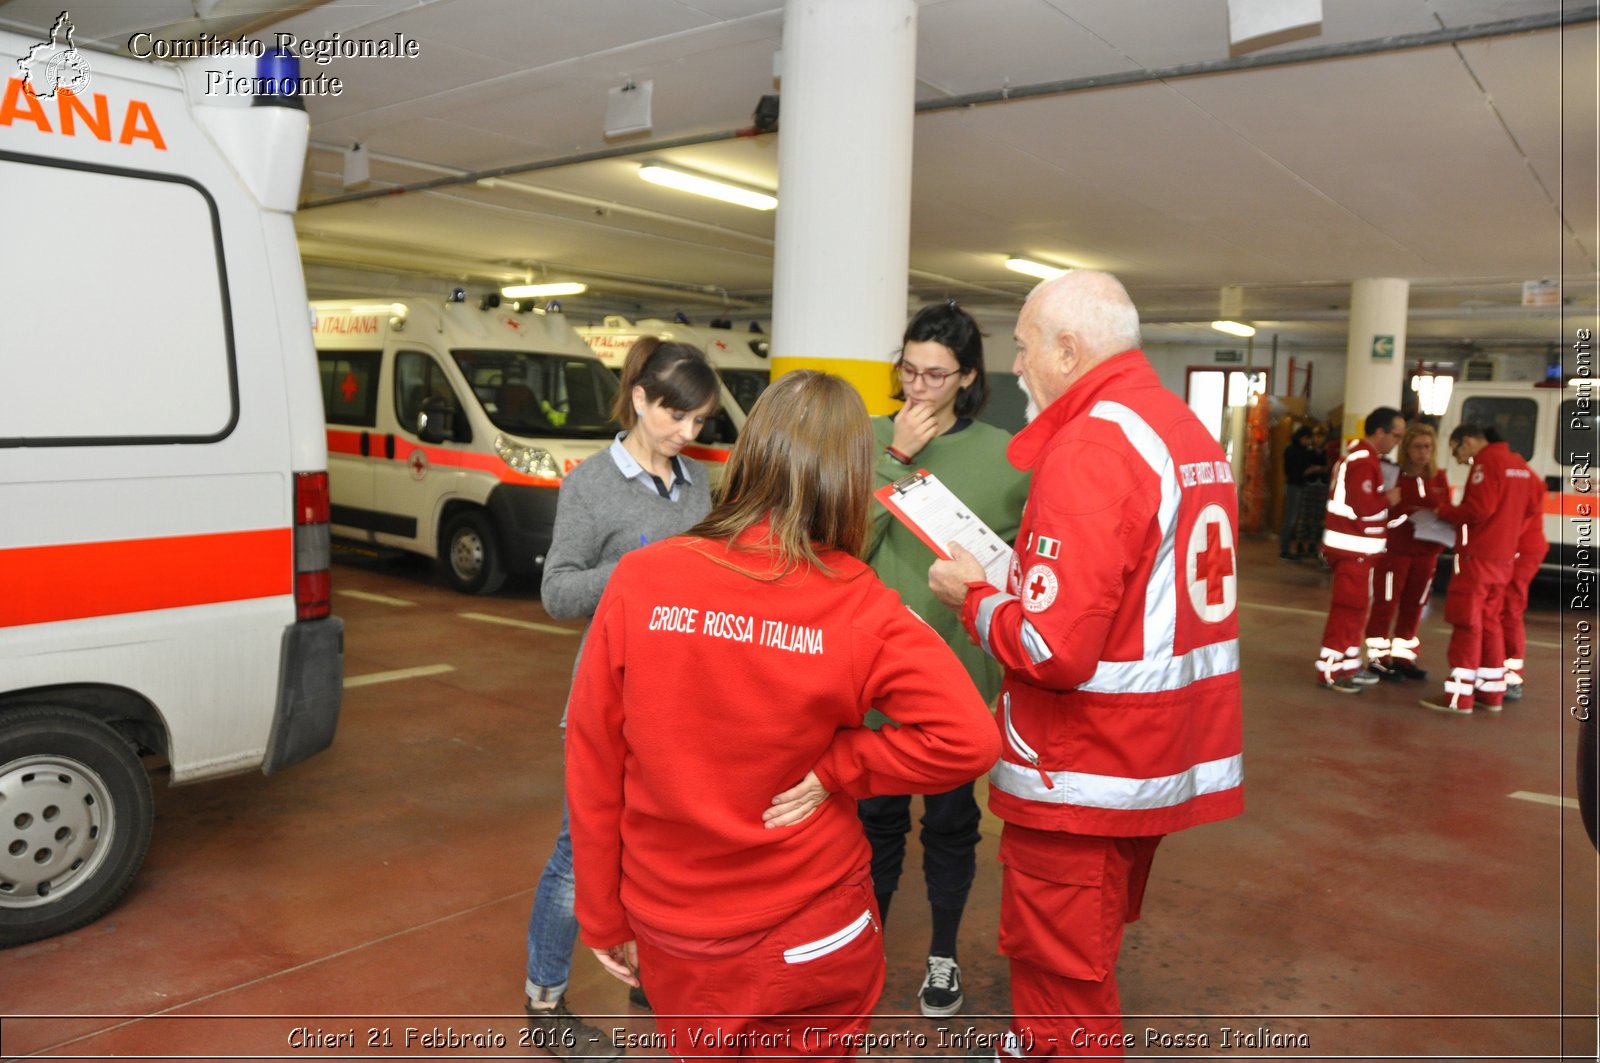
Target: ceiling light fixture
700	185
533	291
1035	269
1233	328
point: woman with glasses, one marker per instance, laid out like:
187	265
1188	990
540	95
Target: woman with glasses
1402	579
940	377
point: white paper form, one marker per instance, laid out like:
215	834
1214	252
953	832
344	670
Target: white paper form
938	517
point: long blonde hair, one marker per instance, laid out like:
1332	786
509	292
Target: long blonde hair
803	463
1413	431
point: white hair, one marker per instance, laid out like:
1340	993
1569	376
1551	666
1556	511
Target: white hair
1092	305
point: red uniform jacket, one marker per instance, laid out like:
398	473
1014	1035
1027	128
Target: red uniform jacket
1494	506
1416	493
1532	542
1356	523
703	692
1119	628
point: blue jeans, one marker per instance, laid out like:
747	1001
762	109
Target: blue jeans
552	927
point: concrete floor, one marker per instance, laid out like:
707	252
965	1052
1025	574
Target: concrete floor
1384	896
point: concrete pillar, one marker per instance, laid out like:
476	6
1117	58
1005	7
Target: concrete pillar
839	274
1376	350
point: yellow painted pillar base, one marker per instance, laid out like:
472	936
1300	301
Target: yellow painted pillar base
871	378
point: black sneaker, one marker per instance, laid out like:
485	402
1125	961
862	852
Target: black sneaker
1407	670
1342	685
1513	691
1364	678
1385	671
941	994
564	1035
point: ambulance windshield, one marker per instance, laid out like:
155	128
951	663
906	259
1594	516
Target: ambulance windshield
531	394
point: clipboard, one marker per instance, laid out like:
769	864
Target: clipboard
936	516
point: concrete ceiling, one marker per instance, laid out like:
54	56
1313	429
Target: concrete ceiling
1466	167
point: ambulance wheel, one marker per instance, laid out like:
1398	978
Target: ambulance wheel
471	554
75	818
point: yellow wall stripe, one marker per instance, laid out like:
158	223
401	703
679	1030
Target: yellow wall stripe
868	376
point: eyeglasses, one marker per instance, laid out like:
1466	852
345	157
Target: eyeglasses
934	377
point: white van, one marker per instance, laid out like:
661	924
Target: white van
736	368
1553	428
164	576
451	425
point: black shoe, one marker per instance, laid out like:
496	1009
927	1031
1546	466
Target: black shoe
1386	672
1287	557
564	1035
1342	685
1367	677
1407	670
941	994
1513	691
637	998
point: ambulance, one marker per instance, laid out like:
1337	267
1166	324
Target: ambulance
740	360
1553	427
164	557
451	425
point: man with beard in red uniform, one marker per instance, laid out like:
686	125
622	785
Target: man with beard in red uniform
1490	518
1118	632
1353	536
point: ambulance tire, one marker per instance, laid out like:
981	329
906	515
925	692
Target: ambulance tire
78	814
470	553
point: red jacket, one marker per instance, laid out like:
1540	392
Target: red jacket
1118	630
1356	522
1494	505
1416	493
1532	541
702	692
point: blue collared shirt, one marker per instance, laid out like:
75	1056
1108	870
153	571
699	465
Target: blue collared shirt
632	470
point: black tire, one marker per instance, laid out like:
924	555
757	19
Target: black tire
75	818
470	554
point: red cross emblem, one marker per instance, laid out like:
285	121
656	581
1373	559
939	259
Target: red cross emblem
419	464
1042	587
1211	569
348	387
1036	588
1213	564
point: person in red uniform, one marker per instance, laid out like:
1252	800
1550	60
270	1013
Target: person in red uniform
1118	635
1532	547
716	747
1403	578
1490	516
1353	535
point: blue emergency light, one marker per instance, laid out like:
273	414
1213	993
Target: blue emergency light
278	80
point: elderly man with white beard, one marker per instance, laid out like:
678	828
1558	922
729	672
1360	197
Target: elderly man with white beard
1118	634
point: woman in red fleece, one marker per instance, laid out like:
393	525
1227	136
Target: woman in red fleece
716	750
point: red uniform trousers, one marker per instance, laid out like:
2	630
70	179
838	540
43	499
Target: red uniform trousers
1347	615
1511	613
1401	585
1477	651
1063	902
819	970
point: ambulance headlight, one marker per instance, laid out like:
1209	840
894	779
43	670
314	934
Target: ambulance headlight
529	461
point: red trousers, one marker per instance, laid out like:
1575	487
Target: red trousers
1063	902
1511	612
1477	654
805	988
1401	585
1347	615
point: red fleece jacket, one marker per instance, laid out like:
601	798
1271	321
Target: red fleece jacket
703	692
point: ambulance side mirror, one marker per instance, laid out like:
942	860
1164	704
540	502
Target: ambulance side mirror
436	422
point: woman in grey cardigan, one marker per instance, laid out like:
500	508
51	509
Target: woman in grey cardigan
639	490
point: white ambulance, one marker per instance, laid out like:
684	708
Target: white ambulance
164	578
1553	428
451	425
744	375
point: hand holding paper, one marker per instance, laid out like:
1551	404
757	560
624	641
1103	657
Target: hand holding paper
948	579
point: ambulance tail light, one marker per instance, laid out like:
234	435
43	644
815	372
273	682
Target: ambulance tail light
313	550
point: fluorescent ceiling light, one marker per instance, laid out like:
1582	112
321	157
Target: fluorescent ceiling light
684	181
1035	269
533	291
1233	328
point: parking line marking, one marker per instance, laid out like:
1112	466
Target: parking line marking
381	599
1285	609
490	618
401	673
1545	799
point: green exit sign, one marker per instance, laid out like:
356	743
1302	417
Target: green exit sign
1230	356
